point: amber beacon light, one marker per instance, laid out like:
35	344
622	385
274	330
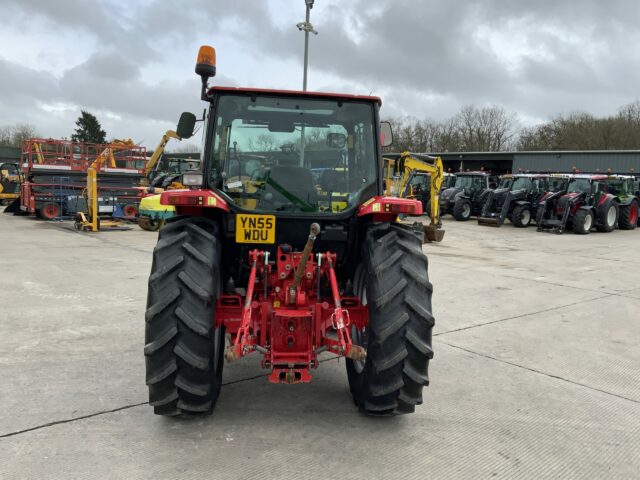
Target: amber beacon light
206	63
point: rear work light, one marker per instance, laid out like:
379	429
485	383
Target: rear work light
192	179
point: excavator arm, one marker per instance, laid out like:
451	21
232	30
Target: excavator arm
403	170
157	154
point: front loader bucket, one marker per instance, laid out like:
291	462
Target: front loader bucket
432	233
489	221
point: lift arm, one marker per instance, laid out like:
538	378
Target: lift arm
107	153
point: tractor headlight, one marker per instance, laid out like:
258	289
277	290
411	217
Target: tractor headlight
192	179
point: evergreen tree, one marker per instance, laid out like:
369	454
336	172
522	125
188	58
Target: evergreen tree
88	129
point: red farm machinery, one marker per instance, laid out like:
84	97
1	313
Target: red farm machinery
263	259
55	177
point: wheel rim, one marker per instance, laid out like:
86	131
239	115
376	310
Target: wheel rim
611	216
526	217
130	211
588	222
50	211
466	210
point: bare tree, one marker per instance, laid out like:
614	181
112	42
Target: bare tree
14	135
184	148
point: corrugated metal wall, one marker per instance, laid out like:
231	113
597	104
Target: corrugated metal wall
617	161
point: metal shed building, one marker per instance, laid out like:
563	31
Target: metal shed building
619	161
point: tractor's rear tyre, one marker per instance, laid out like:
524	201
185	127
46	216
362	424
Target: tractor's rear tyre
393	281
462	210
521	216
583	221
628	219
607	216
183	349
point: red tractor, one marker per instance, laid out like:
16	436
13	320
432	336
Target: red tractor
284	266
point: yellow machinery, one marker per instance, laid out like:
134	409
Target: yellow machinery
107	154
10	180
398	176
151	214
90	221
157	155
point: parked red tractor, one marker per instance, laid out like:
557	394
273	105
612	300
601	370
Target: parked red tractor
587	203
283	266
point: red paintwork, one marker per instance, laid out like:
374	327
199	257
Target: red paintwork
604	198
298	93
68	156
191	201
386	209
633	214
289	328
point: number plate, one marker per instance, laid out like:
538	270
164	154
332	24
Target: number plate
255	228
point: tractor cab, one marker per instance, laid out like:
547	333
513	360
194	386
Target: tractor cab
623	188
468	194
516	198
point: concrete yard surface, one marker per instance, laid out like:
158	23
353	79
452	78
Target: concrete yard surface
535	375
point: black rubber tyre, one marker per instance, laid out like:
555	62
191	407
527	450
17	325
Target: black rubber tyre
521	216
628	219
150	224
607	216
583	221
462	210
183	349
393	280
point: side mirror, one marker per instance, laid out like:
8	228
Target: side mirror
336	140
186	125
386	134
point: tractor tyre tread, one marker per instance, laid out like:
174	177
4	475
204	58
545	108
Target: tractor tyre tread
458	210
516	217
624	220
578	221
400	324
601	216
181	349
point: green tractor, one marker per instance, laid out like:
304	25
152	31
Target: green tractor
624	189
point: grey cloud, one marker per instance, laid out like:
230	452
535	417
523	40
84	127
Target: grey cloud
423	57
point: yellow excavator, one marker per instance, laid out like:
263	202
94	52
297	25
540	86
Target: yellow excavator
151	213
403	179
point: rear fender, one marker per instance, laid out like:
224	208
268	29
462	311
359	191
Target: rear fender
387	209
193	202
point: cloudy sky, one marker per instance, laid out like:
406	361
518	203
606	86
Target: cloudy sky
130	62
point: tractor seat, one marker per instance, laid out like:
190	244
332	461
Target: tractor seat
294	179
333	181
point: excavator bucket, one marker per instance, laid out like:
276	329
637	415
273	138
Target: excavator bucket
432	233
489	221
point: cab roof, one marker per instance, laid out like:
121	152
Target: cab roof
589	177
295	93
484	174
